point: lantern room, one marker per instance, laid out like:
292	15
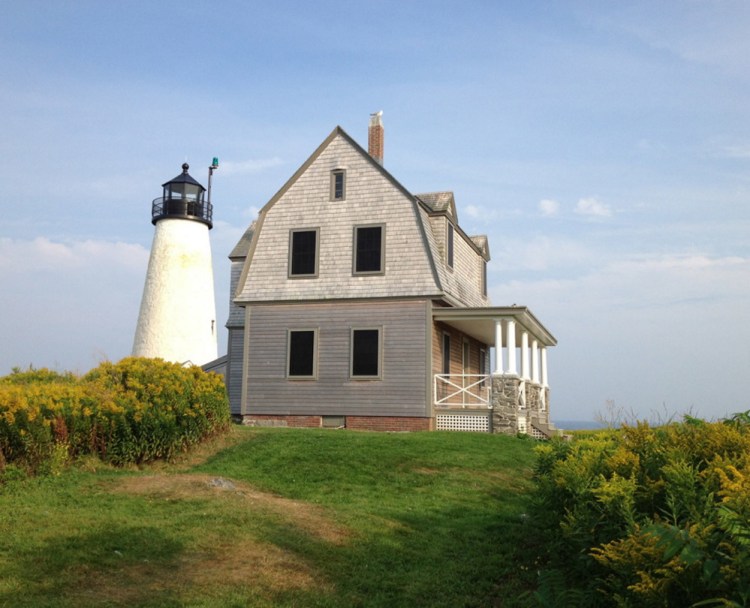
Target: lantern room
183	198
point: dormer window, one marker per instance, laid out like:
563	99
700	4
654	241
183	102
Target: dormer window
449	248
338	185
484	279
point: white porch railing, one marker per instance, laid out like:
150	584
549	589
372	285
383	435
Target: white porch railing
462	390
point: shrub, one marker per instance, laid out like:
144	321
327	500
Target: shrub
166	407
648	516
133	411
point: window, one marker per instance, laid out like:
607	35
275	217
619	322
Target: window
368	249
450	246
446	353
303	253
484	277
301	360
338	185
366	353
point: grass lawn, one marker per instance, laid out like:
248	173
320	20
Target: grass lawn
278	517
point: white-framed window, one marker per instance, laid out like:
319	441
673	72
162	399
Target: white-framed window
369	249
338	185
303	252
366	355
302	354
483	364
449	246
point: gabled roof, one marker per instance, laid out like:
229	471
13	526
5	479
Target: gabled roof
339	132
243	245
480	240
439	202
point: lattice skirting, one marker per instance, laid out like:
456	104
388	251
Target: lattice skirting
463	422
537	434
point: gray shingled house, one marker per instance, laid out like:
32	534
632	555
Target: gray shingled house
358	304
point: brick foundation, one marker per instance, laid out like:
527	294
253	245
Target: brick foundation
359	423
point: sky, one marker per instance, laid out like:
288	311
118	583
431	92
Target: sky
603	147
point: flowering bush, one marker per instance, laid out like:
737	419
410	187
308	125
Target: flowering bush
133	411
648	516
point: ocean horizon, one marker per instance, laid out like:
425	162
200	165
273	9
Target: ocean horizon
578	425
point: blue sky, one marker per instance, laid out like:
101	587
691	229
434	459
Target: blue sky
604	148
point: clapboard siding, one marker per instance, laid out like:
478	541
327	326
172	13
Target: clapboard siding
464	280
400	392
234	369
371	198
457	340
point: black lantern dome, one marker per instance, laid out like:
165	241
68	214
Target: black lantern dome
183	199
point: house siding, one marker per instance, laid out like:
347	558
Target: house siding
233	377
371	198
457	340
464	281
401	391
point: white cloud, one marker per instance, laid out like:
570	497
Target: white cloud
473	211
74	302
248	167
737	151
539	253
592	207
549	207
709	33
18	256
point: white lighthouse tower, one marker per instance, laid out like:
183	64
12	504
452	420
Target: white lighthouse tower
177	321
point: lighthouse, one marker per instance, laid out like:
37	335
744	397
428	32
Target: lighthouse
177	319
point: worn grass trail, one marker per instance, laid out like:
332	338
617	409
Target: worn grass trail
277	517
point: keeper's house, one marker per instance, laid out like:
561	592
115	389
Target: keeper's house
358	304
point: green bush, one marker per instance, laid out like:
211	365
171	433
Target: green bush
133	411
646	516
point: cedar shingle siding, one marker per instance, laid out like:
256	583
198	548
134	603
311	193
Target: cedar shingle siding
398	300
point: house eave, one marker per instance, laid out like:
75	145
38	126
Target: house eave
480	322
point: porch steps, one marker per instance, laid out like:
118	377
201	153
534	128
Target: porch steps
545	430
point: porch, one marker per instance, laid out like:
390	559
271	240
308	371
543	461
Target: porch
514	397
491	404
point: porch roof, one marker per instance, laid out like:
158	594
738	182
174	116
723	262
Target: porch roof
479	323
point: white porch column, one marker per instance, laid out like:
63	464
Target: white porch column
498	347
545	383
525	355
535	361
510	327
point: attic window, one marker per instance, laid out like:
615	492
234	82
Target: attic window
338	185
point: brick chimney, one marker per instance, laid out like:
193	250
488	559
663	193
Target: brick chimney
375	136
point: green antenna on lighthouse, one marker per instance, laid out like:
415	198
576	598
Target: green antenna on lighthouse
211	169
